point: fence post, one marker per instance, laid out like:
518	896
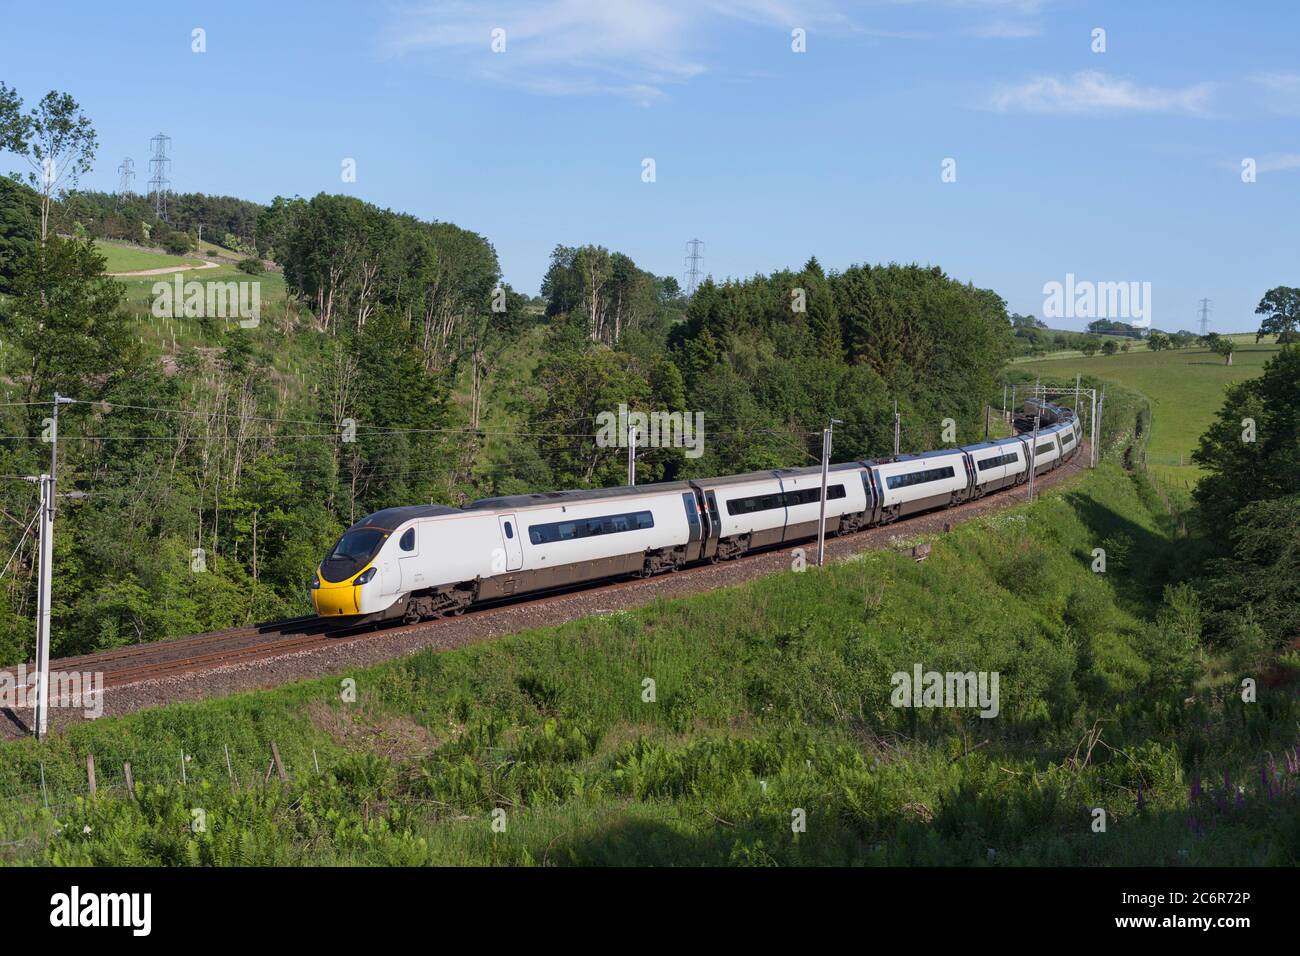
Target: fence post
234	781
130	780
45	796
90	772
279	765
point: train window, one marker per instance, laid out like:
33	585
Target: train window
787	499
1069	439
510	532
590	527
1050	446
359	545
920	477
408	540
1008	459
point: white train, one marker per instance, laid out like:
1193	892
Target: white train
424	561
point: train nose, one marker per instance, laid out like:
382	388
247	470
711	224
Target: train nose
332	600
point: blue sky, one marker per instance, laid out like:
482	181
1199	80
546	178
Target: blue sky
1123	165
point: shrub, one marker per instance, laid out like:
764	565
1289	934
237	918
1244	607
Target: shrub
177	243
252	265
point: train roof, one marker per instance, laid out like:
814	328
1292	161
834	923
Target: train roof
580	494
391	518
769	474
919	456
993	443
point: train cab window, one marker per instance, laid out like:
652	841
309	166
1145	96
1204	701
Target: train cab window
359	545
510	531
407	542
352	551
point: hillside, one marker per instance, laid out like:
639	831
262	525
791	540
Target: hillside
783	708
1184	386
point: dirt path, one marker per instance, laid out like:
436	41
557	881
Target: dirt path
163	271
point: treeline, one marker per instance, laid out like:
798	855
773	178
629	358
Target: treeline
1249	508
224	220
131	217
1031	336
766	362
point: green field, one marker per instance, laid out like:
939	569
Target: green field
125	258
1184	386
171	335
1135	345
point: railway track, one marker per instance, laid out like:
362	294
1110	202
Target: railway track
217	649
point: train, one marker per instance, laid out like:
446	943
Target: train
419	562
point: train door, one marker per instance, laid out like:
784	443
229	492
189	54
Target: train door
694	532
870	492
715	524
409	565
514	549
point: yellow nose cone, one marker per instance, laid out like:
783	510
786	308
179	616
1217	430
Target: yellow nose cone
332	600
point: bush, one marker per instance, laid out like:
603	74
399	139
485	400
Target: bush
252	265
177	243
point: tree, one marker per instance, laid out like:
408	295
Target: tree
13	125
1089	348
60	147
1109	347
1281	306
1252	450
66	320
1158	342
20	213
1220	345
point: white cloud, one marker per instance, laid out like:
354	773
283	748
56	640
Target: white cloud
1092	91
630	48
1285	90
1278	163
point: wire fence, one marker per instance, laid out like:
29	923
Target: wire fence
59	787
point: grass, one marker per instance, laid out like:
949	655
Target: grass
1135	345
769	704
127	258
1184	386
